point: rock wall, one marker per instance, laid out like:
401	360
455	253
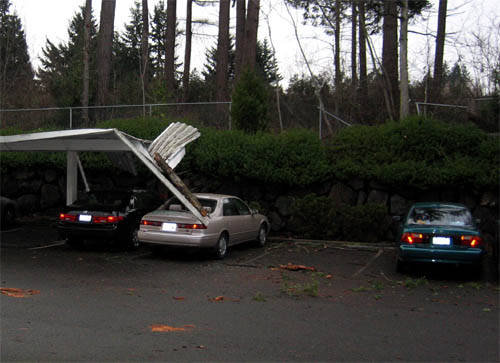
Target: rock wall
43	191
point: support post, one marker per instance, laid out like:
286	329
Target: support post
71	177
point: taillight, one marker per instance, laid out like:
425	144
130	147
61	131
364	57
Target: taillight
472	241
67	217
192	226
106	219
145	222
412	238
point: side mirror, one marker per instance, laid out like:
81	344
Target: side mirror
478	221
397	218
254	211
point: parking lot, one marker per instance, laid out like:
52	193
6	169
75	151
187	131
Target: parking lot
289	301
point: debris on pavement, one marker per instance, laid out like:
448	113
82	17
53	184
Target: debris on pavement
19	293
159	328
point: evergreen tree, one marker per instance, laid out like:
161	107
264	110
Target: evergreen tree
16	73
62	65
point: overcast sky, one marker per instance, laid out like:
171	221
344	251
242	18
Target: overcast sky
49	19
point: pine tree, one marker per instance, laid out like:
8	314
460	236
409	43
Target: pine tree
16	73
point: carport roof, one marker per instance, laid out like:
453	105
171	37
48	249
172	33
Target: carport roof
106	140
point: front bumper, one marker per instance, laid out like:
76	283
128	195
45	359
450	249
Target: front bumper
432	254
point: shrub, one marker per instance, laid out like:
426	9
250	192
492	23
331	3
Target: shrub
318	217
249	106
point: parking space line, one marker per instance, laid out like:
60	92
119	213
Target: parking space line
59	243
370	261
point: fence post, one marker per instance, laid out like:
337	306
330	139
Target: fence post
150	110
70	118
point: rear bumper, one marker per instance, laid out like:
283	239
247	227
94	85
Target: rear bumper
466	256
88	232
185	240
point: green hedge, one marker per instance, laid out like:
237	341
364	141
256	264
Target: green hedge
416	152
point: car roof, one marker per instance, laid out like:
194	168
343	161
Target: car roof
438	205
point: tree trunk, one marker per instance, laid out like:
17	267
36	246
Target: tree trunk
251	27
404	108
354	65
338	73
438	61
187	51
86	62
170	46
105	48
144	51
221	77
240	37
363	85
390	56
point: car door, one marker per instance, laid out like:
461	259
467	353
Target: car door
246	220
233	221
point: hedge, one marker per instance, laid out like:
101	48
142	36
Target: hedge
416	152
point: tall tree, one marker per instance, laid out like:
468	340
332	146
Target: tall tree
105	47
170	46
354	24
145	49
87	18
404	108
363	84
187	51
240	35
16	74
438	60
390	56
158	37
221	78
251	29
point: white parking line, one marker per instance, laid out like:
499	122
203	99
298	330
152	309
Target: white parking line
59	243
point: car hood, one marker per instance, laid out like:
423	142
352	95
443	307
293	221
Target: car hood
448	230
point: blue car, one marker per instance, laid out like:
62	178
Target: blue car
443	233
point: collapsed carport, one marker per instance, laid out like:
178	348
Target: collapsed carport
159	156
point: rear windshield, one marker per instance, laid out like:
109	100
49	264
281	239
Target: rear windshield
441	216
175	205
108	198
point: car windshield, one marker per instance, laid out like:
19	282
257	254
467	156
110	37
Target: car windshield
175	205
107	198
441	216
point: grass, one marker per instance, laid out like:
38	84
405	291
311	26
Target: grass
259	297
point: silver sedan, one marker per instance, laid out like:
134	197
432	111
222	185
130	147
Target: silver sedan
231	222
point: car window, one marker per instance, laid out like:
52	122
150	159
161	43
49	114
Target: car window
229	208
241	207
174	204
441	216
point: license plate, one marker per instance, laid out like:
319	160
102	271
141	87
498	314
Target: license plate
441	241
84	218
169	227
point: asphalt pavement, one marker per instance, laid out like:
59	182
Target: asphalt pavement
289	301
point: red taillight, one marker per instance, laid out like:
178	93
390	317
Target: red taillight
67	217
106	219
412	238
472	241
145	222
192	226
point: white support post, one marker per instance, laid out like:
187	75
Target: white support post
71	177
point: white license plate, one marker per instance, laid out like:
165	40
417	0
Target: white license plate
441	241
84	218
169	227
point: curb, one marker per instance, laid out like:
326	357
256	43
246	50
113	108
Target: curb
346	244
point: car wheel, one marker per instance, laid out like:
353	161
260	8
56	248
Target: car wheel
262	236
74	242
221	247
133	242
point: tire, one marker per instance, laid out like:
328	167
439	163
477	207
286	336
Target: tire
133	242
262	236
220	250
